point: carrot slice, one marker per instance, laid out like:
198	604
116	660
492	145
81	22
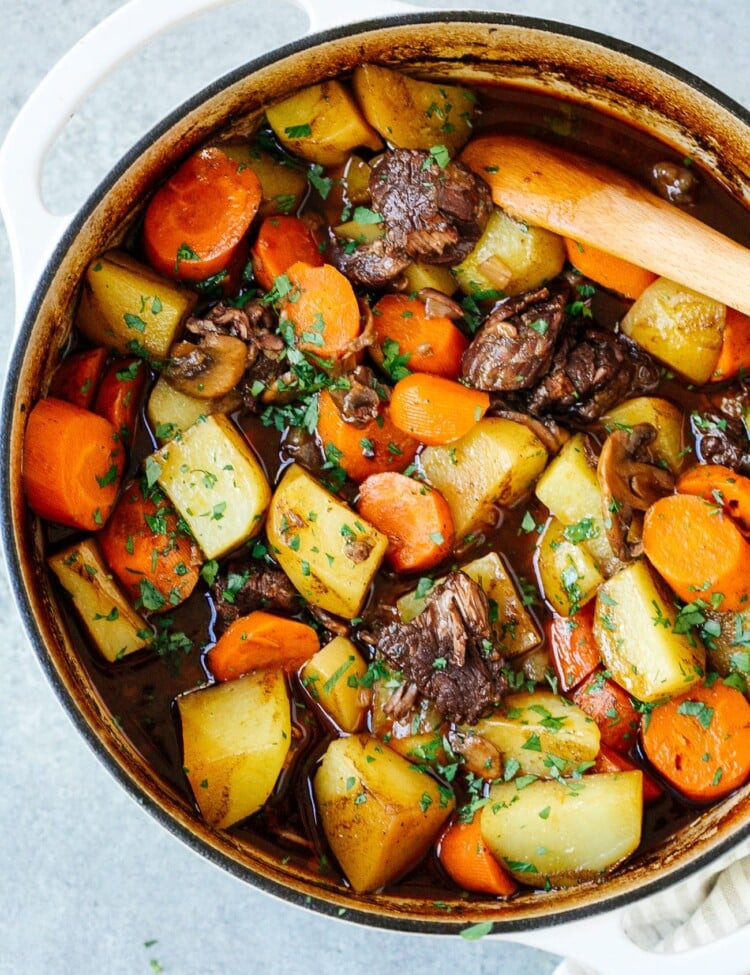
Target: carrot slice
611	272
156	563
612	709
435	410
720	485
120	395
72	464
698	550
608	760
281	242
196	220
322	307
700	742
363	450
467	860
734	357
77	378
261	640
415	518
575	653
433	345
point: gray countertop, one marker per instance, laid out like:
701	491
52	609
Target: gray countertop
91	884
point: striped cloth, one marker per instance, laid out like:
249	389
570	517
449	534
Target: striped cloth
703	909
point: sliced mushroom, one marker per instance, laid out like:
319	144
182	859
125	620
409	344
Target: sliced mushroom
481	757
630	483
209	369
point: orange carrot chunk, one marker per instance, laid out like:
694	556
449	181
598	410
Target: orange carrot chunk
573	647
323	309
700	742
120	395
735	349
195	222
612	709
435	410
72	464
432	345
607	270
281	242
156	563
361	451
415	518
467	860
722	486
261	640
77	378
698	550
608	760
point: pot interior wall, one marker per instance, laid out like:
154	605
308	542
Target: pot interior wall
509	52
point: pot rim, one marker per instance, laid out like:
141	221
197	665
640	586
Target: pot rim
317	904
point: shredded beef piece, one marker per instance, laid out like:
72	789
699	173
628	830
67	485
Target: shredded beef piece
446	652
515	346
591	373
721	439
247	586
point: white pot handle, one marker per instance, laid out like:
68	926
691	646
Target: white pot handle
32	229
601	943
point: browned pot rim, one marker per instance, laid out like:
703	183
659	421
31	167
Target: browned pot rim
342	904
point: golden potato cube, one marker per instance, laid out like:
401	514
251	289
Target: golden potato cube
679	327
634	629
563	833
414	114
380	813
669	445
171	412
332	677
568	573
514	629
328	551
283	187
109	619
511	256
418	275
546	734
216	483
495	463
128	307
235	739
322	124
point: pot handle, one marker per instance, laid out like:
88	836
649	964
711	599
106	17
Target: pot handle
601	943
32	229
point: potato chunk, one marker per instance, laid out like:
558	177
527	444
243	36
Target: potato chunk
379	812
564	833
332	677
414	114
111	622
171	412
546	734
328	551
634	629
679	327
511	256
216	483
669	446
495	463
235	739
127	306
283	187
567	571
514	629
322	124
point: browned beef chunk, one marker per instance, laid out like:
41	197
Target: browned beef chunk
514	347
720	434
373	265
590	373
247	586
446	652
432	213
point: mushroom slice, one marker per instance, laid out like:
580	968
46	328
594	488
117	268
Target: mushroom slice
630	483
208	369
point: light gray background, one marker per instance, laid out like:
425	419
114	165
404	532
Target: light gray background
87	878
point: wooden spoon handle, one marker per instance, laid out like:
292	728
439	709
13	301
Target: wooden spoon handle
586	200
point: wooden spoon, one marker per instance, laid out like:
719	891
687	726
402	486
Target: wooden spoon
595	205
